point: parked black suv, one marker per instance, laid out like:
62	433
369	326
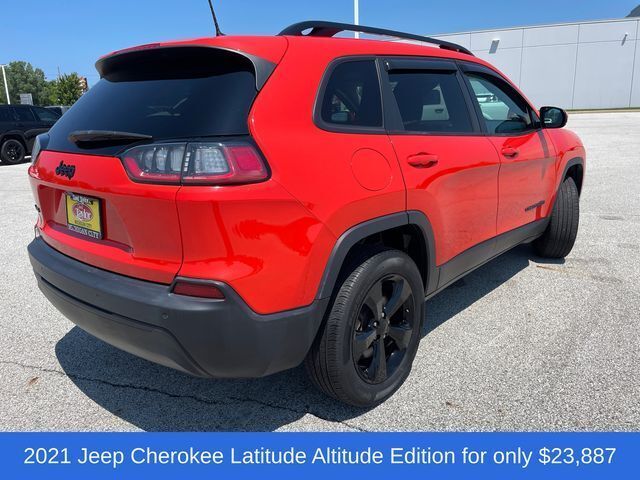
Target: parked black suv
19	126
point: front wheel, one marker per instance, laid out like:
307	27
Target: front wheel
366	347
560	235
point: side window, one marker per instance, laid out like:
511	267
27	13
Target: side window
352	95
24	115
430	101
503	110
45	115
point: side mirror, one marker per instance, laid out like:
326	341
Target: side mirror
553	117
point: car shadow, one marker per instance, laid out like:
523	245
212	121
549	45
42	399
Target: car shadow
466	291
155	398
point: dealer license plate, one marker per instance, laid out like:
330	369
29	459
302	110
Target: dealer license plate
83	215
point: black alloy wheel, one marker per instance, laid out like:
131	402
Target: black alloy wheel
12	152
365	348
384	328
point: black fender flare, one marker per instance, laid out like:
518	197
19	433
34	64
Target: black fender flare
572	163
13	134
377	225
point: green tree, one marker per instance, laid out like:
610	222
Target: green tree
65	90
23	78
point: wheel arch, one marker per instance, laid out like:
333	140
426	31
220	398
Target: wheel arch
410	232
574	169
15	135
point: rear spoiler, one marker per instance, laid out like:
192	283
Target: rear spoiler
139	55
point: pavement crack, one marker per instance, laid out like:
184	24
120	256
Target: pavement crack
210	402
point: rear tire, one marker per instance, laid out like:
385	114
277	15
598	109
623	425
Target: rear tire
366	346
12	151
560	235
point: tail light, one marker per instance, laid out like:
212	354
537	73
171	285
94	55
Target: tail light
196	163
155	163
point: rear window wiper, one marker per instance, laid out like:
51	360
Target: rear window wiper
97	138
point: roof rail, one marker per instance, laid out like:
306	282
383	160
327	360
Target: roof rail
329	29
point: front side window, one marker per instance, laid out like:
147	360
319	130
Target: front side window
352	95
430	101
503	110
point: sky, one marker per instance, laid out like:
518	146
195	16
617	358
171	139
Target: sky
71	34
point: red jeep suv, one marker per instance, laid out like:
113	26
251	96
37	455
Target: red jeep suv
234	206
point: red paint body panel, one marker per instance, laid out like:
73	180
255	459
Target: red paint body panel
139	221
312	164
568	146
526	179
270	241
258	239
459	194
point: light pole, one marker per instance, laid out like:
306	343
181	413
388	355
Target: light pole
6	87
356	17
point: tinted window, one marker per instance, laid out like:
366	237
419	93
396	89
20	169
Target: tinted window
5	115
430	101
352	96
24	114
182	93
503	110
45	115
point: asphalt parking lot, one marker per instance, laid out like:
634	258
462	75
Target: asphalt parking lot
520	344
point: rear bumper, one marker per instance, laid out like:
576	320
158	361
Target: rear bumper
203	337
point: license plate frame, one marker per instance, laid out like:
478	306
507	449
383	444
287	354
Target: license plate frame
84	215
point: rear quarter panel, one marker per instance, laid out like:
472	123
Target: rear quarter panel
316	166
256	238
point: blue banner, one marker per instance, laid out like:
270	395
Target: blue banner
320	455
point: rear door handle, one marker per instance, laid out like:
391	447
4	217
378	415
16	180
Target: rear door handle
422	160
509	152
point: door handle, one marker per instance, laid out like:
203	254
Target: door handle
422	160
509	152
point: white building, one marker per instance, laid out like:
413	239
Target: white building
582	65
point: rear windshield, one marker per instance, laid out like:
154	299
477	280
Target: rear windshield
169	94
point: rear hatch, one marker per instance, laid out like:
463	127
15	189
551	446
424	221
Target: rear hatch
94	209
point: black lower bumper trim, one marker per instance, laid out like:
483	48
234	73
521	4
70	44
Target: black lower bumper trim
203	337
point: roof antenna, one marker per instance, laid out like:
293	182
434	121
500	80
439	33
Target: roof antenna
215	21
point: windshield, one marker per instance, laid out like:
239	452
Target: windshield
180	94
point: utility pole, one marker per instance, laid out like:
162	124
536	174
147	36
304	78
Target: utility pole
356	17
6	86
